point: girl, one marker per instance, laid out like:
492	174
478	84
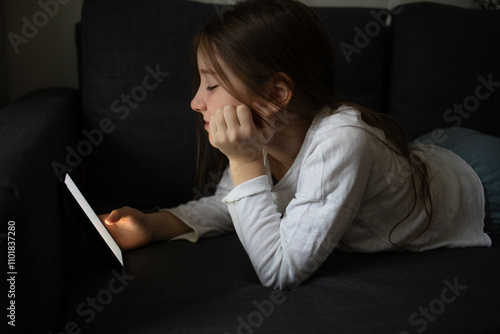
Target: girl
302	172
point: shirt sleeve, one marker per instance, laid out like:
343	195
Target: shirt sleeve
286	250
207	216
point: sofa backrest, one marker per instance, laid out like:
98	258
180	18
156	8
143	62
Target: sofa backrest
136	92
445	67
135	84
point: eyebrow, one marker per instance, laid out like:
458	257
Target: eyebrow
205	71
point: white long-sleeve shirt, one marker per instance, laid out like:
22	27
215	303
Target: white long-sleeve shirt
345	190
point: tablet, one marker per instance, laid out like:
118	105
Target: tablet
91	215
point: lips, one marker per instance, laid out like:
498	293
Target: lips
207	123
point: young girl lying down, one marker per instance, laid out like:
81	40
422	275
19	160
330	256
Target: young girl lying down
304	173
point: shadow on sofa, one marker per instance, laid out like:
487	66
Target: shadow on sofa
128	139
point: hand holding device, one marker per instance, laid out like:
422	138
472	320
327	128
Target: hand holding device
128	227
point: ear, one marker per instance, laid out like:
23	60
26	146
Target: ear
281	89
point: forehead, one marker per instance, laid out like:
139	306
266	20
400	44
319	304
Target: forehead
204	66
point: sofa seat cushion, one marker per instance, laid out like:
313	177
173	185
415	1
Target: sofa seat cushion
211	287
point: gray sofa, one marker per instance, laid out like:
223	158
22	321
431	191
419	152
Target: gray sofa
127	138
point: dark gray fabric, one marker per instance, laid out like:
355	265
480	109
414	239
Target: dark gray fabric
441	54
33	134
360	39
211	287
149	158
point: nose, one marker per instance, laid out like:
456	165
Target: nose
198	103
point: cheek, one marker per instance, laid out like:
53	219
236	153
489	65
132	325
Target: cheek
219	100
212	108
212	104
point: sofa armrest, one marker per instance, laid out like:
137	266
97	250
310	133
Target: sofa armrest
33	133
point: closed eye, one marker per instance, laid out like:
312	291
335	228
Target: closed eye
210	88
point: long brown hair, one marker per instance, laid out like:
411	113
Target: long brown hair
258	39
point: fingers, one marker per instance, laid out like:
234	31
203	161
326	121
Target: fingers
225	118
218	121
245	117
116	215
232	130
231	117
103	217
113	217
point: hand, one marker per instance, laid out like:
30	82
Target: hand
129	227
235	134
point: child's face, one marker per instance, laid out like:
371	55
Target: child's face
211	95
